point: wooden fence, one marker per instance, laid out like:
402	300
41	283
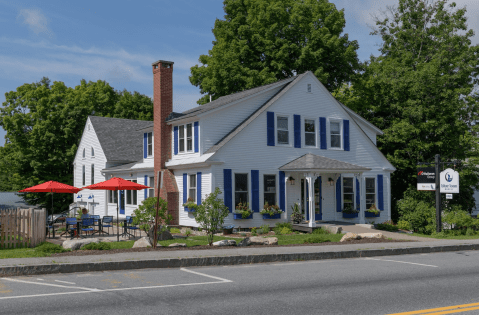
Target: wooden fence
22	228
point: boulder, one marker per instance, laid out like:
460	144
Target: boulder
76	244
142	242
333	229
177	245
258	240
371	235
162	236
350	236
225	243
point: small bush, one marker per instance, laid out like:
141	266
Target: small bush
97	246
386	226
404	225
320	231
316	239
285	230
265	229
253	232
175	230
280	226
50	248
187	232
470	232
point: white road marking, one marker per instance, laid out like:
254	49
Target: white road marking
205	275
39	279
65	282
49	284
403	262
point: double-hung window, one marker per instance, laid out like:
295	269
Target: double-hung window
309	133
112	196
192	187
92	174
370	192
269	192
185	138
150	143
181	138
189	137
335	130
282	129
151	191
348	193
241	188
131	195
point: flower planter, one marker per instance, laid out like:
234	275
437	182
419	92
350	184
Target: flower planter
274	216
239	216
371	215
190	209
350	215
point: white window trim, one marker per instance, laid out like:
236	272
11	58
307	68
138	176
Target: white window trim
290	129
152	144
303	132
332	120
186	138
248	182
342	190
375	191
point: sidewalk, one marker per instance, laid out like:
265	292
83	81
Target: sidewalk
226	256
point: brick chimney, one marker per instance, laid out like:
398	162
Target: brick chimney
162	107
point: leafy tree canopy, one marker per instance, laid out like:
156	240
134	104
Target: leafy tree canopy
263	41
44	124
420	91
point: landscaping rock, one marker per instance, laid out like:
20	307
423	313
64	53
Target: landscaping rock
163	236
257	240
76	244
370	235
333	229
142	242
177	245
225	243
350	236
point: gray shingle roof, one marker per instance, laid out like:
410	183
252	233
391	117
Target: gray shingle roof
224	100
319	163
120	138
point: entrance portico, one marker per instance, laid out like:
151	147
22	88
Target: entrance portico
320	188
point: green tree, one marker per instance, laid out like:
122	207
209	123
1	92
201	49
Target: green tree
211	214
147	210
420	92
262	41
44	124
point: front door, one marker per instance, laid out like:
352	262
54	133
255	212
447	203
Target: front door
122	201
328	200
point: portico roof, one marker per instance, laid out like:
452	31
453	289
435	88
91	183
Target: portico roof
315	163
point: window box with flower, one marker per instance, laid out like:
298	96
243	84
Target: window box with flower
349	212
242	211
271	212
372	212
190	205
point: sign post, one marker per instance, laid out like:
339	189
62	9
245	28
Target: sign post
438	196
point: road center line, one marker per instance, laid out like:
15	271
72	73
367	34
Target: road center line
205	275
443	310
403	262
49	284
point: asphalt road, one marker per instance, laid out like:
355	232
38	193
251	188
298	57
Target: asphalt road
447	283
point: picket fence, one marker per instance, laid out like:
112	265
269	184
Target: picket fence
22	228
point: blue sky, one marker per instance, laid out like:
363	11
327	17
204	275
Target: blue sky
117	41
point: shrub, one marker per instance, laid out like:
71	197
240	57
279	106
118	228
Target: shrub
387	226
147	210
278	228
285	230
265	229
320	231
470	232
50	248
187	232
316	239
175	230
253	232
460	219
97	246
404	225
420	214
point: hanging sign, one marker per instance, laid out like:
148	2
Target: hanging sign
448	196
449	181
426	178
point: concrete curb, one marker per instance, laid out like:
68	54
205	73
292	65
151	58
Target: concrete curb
225	260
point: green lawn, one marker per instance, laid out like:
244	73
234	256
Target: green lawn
448	236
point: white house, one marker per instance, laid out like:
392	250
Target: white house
272	143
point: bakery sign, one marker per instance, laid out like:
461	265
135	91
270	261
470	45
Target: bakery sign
426	178
449	181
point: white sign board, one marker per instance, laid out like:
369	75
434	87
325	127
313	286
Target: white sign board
426	187
449	181
448	196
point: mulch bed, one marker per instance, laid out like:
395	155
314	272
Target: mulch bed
204	247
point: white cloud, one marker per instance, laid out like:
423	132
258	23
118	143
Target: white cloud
35	20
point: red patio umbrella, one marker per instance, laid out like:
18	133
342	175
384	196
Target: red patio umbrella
116	183
52	187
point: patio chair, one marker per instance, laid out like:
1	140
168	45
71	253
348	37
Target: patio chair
88	225
71	226
130	225
107	222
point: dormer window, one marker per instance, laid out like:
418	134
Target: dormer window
185	137
150	143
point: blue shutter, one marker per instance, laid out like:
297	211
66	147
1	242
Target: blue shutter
270	128
146	184
197	145
228	189
358	195
380	192
198	188
255	190
282	191
297	131
185	189
307	200
322	131
175	139
346	134
145	145
339	205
